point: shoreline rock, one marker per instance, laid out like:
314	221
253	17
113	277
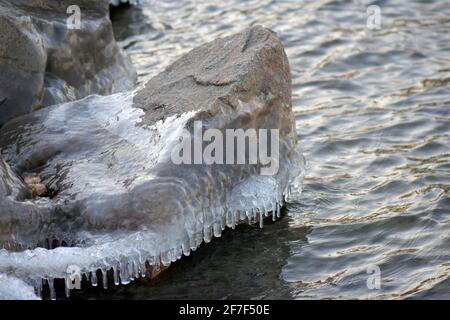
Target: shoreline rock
118	197
43	62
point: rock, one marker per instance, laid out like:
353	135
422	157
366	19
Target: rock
118	195
44	62
214	77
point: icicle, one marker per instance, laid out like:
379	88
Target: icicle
143	269
94	278
116	275
66	289
224	222
173	254
124	276
165	259
198	239
242	215
136	269
235	218
278	210
287	194
281	200
229	219
38	287
157	264
179	252
192	242
247	214
217	230
186	247
261	218
274	211
251	218
131	269
152	260
105	278
207	234
51	287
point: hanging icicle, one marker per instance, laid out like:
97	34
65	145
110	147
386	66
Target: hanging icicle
116	275
51	287
105	278
217	230
274	211
261	218
94	278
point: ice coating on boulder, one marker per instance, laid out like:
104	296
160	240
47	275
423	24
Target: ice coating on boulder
114	119
116	198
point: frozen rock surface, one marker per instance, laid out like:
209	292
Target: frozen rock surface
13	289
114	194
45	61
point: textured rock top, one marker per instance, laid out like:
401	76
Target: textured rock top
247	64
99	179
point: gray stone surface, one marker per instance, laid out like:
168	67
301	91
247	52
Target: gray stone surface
43	62
218	74
114	191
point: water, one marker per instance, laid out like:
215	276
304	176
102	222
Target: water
373	114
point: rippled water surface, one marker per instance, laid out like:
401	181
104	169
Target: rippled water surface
373	114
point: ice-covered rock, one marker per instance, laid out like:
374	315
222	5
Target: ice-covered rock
114	192
46	57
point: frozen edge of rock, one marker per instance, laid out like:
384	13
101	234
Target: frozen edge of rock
239	81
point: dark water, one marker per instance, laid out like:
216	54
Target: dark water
373	114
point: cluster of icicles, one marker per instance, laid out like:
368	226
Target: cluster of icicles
134	265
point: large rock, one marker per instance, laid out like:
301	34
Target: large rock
43	62
115	192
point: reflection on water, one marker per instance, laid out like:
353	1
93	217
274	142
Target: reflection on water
373	114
